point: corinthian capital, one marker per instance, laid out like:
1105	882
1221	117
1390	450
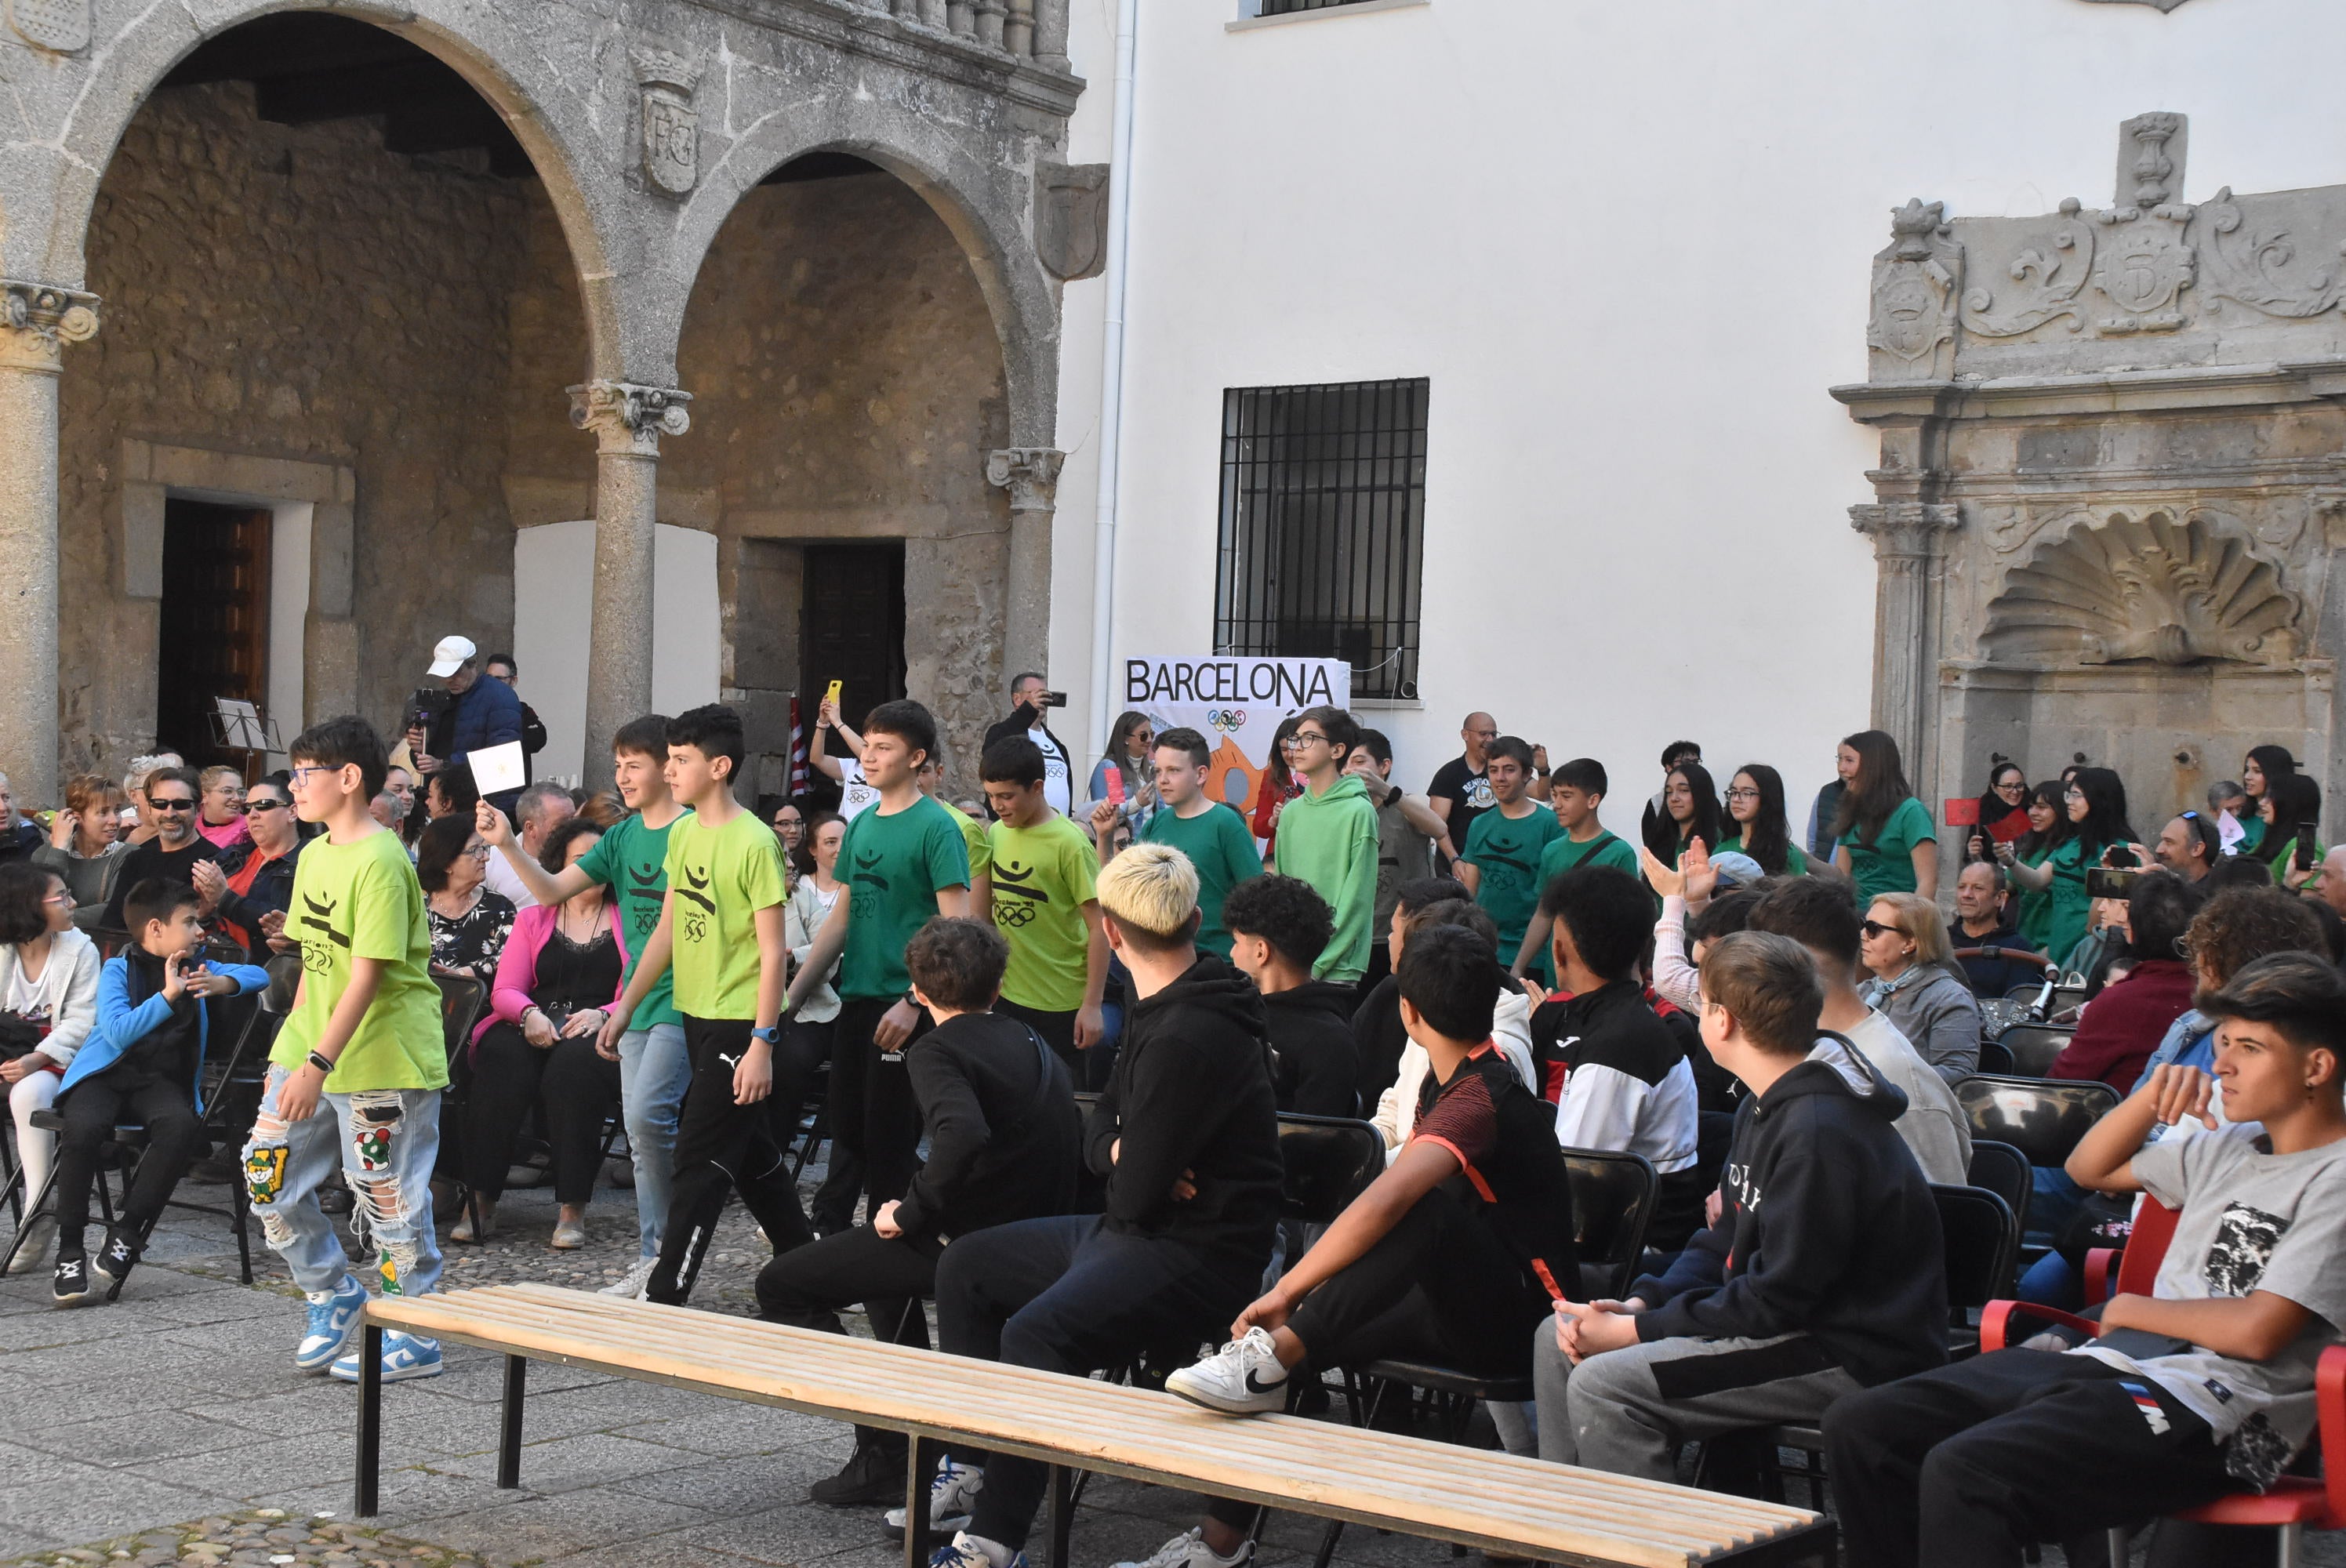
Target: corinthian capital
37	318
625	416
1903	528
1031	474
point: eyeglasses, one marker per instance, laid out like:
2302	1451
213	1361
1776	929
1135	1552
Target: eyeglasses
299	774
478	851
1303	737
1743	794
2010	789
61	896
187	804
1875	927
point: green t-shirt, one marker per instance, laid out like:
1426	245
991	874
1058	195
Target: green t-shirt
894	865
1562	855
973	839
2071	910
721	878
631	860
1221	846
1889	866
1042	879
360	900
2036	919
1505	854
1796	864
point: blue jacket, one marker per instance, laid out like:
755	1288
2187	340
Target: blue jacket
122	1024
488	713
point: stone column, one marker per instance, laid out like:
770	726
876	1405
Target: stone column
1031	474
36	321
627	421
1905	536
1051	33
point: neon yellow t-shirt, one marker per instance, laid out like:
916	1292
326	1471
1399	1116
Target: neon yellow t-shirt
719	878
1043	877
353	901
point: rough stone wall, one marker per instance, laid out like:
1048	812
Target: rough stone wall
297	293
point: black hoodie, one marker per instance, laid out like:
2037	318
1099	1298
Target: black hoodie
1827	1228
1311	1033
1192	1091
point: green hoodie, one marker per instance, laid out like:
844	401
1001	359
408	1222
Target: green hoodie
1330	842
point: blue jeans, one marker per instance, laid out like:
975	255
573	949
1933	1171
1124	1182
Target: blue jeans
386	1142
655	1069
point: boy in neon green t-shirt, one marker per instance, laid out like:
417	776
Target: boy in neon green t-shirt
1043	902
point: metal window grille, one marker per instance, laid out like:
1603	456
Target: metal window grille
1289	8
1324	527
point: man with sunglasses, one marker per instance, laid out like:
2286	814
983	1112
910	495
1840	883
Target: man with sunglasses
2188	846
255	880
172	794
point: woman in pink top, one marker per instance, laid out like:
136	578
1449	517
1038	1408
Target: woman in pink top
220	811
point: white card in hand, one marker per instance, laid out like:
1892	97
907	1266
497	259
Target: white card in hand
497	768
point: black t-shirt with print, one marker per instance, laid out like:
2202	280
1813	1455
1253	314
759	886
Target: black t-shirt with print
1468	792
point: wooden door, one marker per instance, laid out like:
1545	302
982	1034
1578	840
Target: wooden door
853	624
214	631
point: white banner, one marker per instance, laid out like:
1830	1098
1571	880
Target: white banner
1236	704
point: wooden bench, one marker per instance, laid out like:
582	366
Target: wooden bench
1516	1506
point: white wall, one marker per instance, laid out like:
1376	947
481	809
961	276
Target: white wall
552	623
1629	243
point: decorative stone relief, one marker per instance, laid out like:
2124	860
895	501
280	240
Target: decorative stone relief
60	26
1071	220
2145	264
2148	587
1916	282
36	320
2051	272
1031	474
2258	265
671	125
626	414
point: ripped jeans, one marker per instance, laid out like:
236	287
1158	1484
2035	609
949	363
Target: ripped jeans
387	1141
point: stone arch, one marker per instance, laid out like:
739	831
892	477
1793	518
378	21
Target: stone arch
982	205
549	118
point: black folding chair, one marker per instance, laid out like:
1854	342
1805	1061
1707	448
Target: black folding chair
1994	1059
463	999
2004	1171
2042	1117
2033	1046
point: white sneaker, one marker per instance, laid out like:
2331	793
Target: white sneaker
967	1551
632	1284
1188	1550
1242	1379
953	1499
41	1234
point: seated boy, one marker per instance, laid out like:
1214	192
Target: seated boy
2202	1388
1823	1275
1278	926
1452	1254
142	1063
999	1113
1619	1078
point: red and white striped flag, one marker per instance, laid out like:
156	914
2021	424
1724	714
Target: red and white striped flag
800	775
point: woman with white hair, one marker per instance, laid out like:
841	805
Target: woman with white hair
1916	985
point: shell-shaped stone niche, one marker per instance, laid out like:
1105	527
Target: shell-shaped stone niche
2129	588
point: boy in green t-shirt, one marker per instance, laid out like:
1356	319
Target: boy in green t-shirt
364	1038
631	860
1328	837
1042	902
1500	862
1574	793
721	927
1211	833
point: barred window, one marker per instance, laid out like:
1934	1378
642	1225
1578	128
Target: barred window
1289	8
1324	527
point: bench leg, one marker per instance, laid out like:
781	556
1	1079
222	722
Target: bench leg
370	1464
922	1456
509	1439
1060	1518
1335	1533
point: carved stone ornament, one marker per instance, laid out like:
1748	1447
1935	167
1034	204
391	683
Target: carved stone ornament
1071	220
625	412
1916	282
1031	474
38	318
2050	273
1904	530
2258	264
671	125
61	27
2146	587
2161	5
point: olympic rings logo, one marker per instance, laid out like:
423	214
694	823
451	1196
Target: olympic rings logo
1226	718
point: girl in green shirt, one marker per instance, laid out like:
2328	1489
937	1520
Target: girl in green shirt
2263	768
1755	812
2289	805
2095	808
1689	811
2048	828
1883	837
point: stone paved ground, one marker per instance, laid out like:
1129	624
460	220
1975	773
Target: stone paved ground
155	1429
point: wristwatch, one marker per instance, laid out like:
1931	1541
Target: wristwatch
771	1035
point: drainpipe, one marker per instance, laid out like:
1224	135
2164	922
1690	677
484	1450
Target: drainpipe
1111	420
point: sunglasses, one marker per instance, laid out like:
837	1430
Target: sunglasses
1875	927
171	805
251	806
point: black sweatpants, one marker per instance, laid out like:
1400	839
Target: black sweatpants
808	1286
510	1076
721	1148
1968	1465
123	1096
872	1114
1438	1286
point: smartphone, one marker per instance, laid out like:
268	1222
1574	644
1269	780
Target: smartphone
833	695
2304	856
1055	699
2108	884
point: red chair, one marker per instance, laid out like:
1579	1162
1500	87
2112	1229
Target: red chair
2296	1503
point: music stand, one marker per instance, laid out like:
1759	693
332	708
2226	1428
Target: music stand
239	725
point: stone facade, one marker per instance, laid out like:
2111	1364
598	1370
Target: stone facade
2111	494
299	294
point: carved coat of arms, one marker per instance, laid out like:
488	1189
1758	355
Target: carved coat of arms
2145	267
1071	220
671	125
1915	284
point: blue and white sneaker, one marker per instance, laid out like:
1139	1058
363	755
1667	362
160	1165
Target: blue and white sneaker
403	1356
967	1551
953	1501
333	1324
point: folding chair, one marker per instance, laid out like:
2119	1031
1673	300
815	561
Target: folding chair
2042	1117
2004	1171
462	1001
2035	1046
1994	1059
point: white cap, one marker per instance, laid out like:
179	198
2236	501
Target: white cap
451	655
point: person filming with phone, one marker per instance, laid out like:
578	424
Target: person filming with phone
449	725
1031	697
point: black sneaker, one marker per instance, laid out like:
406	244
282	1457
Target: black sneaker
116	1259
872	1474
72	1286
